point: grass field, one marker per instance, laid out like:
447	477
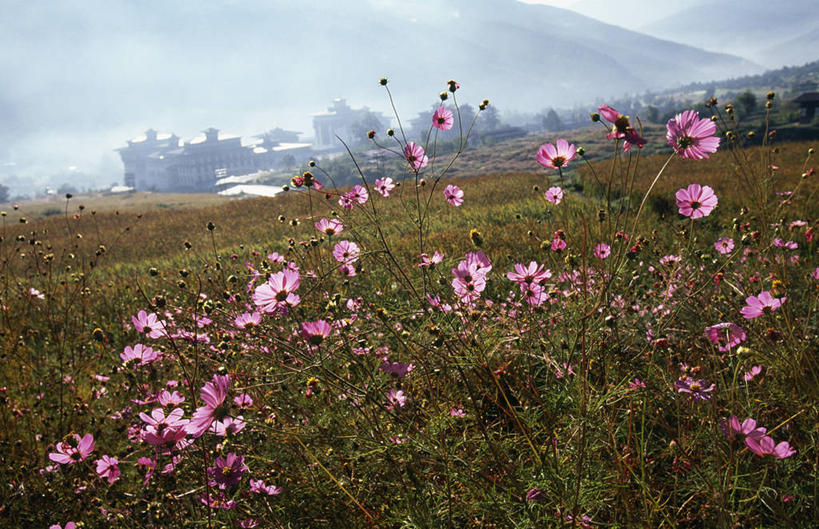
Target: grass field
374	392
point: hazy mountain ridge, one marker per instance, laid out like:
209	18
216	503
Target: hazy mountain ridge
82	80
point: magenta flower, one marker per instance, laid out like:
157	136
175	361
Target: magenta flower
556	156
724	245
443	119
602	250
227	471
228	425
398	369
68	525
621	128
243	321
534	495
454	195
213	395
315	332
430	262
554	195
725	335
346	252
260	487
139	354
107	468
384	186
756	306
558	244
697	389
73	450
358	194
217	500
752	373
765	446
415	156
330	227
534	294
170	399
732	427
469	281
692	137
278	294
815	274
243	400
149	324
696	201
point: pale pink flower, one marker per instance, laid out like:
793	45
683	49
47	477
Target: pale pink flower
384	186
148	323
756	306
725	335
139	354
531	273
164	430
554	195
170	399
73	450
602	250
243	321
752	373
454	195
692	137
724	245
315	332
396	368
278	294
260	487
696	201
621	128
556	156
213	395
330	227
443	119
33	292
698	389
217	500
430	262
396	399
346	252
415	156
107	468
766	446
228	425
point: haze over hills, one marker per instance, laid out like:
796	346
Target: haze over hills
81	79
770	33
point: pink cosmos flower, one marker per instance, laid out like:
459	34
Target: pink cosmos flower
384	186
243	321
430	262
358	194
107	468
765	446
217	500
724	245
330	227
415	156
398	369
554	195
148	323
68	525
162	430
815	274
752	373
170	399
347	270
346	252
73	450
315	332
756	306
33	292
213	395
443	119
278	294
725	335
469	281
454	195
243	400
692	137
556	156
789	245
698	389
532	273
602	250
139	354
259	487
696	201
396	399
228	425
732	427
621	128
558	244
534	294
479	260
457	412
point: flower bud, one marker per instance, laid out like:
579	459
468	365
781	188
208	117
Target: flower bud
444	96
770	95
371	134
581	151
390	132
383	81
595	117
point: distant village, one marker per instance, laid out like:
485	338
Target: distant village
215	162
